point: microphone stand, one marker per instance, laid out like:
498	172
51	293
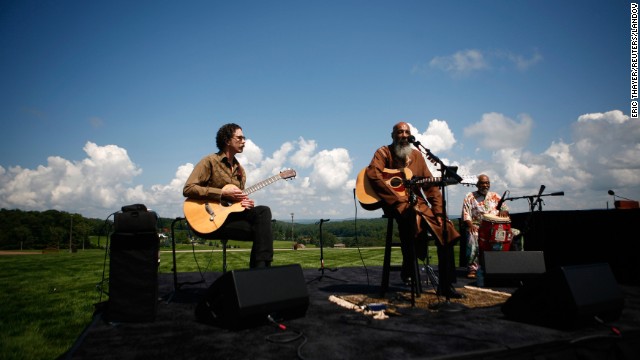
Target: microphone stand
321	269
532	205
445	281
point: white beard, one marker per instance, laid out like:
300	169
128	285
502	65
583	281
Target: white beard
402	151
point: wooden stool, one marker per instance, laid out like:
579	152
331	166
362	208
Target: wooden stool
416	289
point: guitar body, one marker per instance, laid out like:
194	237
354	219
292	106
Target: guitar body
395	179
207	216
367	196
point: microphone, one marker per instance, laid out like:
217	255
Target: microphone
324	220
614	195
559	193
502	200
412	140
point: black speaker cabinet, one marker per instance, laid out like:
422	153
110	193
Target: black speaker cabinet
133	269
508	267
244	298
568	297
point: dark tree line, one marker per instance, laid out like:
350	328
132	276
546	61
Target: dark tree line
51	229
54	229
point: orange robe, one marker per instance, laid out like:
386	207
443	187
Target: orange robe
398	201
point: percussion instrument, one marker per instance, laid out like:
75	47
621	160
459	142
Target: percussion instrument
495	233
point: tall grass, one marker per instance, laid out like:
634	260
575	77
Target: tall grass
47	300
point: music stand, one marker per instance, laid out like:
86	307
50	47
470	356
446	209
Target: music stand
322	268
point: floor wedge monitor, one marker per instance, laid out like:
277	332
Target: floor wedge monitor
568	297
506	267
244	298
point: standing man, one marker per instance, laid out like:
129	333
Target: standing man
474	206
220	178
417	209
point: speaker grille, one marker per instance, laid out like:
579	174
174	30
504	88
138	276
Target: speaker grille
242	298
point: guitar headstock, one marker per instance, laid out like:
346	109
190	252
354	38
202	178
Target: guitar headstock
287	174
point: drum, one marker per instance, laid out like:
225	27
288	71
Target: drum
495	233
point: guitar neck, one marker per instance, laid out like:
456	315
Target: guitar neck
261	184
427	180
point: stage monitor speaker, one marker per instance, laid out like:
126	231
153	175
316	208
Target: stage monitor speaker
509	267
133	269
135	219
568	297
245	298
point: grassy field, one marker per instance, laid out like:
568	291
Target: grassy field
48	299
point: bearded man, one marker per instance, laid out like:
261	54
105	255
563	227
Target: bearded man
417	208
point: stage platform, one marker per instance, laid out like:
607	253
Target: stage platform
331	331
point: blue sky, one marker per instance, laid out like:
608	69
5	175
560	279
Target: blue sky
105	104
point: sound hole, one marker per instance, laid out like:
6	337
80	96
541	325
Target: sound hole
395	182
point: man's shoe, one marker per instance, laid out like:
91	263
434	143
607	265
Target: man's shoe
450	293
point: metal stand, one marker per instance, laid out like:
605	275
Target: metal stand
322	268
447	175
431	275
176	284
532	206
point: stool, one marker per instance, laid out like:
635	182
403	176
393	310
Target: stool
176	284
387	267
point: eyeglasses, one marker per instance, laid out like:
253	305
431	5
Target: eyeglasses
484	183
240	138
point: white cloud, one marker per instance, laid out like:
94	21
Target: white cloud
603	154
496	131
520	61
97	182
461	63
465	62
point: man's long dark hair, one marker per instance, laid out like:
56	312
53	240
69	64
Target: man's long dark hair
225	133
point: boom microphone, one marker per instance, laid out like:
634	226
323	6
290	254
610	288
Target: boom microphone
412	140
559	193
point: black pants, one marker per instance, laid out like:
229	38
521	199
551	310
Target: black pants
446	257
251	225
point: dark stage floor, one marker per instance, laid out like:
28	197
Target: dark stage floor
330	331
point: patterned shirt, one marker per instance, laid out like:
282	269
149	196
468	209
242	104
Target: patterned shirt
475	205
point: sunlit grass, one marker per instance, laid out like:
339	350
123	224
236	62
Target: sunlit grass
48	299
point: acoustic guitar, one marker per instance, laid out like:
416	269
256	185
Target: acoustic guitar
395	179
207	216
